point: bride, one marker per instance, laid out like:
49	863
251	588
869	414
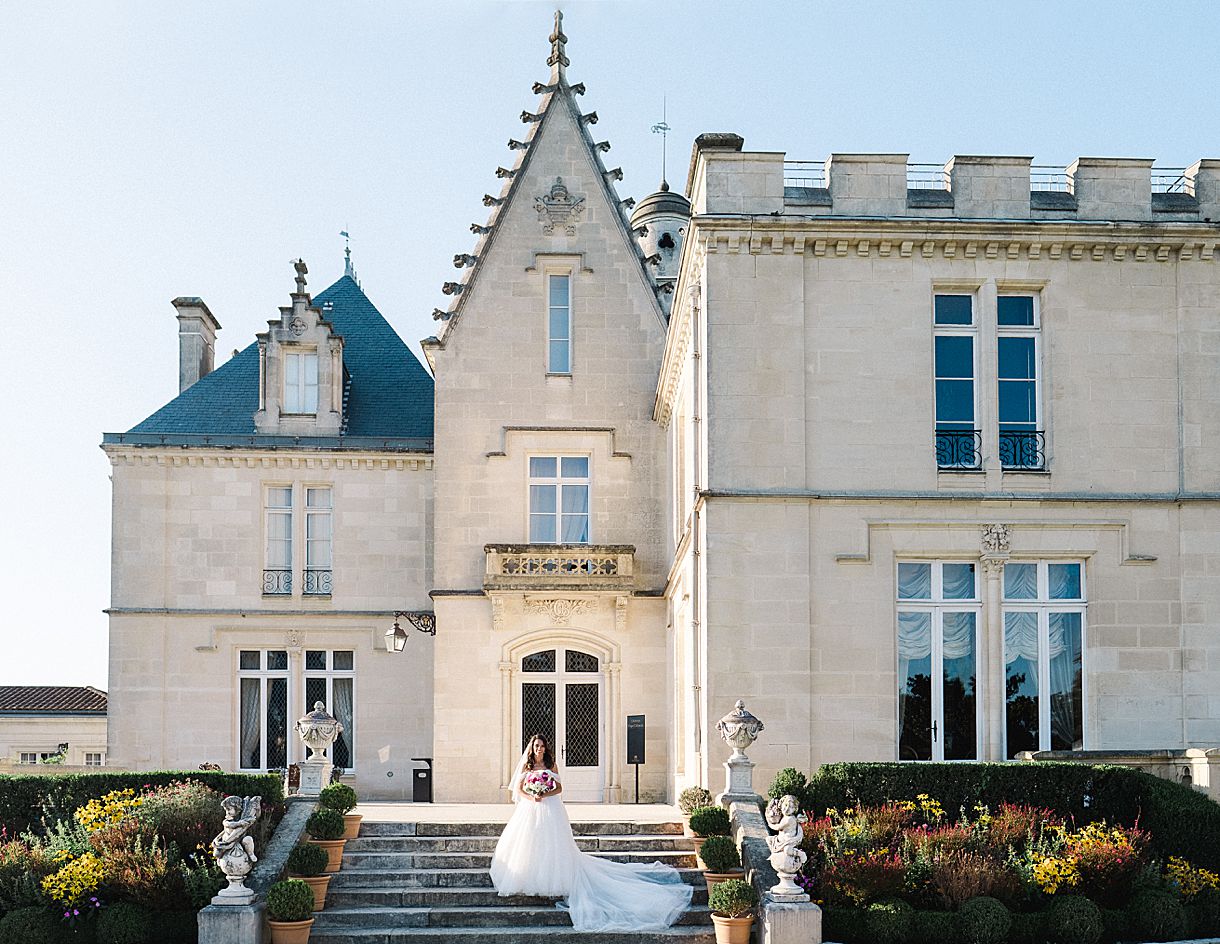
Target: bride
536	855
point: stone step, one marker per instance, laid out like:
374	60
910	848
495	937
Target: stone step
496	916
397	861
494	829
548	935
444	877
381	844
392	896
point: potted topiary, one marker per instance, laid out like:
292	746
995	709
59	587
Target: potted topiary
721	861
342	799
708	821
325	828
308	862
289	911
732	903
690	800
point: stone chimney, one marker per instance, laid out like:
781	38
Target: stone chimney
197	328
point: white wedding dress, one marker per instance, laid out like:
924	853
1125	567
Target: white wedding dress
537	855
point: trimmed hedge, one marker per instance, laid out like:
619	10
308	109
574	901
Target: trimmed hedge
24	797
1181	821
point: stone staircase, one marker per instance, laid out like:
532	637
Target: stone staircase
430	882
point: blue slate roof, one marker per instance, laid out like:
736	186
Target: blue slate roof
389	394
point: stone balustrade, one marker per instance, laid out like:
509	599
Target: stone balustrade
559	566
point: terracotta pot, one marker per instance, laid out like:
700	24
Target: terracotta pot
732	930
698	842
351	823
686	830
290	932
715	878
334	849
319	884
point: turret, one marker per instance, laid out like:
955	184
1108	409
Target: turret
660	222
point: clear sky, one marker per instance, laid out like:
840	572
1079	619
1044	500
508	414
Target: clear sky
151	150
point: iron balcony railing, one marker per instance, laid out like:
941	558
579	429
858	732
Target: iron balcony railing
317	581
1023	449
1049	177
277	583
959	450
1171	180
804	173
927	177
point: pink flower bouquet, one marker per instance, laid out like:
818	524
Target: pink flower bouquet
538	783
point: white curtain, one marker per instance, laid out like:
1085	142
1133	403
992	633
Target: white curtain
575	514
249	724
914	581
1021	581
1064	581
957	581
342	689
1065	662
914	645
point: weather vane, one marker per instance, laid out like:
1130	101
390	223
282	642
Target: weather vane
663	129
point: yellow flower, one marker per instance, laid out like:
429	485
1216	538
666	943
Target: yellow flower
1055	872
1189	878
75	880
109	810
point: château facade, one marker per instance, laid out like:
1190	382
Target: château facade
920	464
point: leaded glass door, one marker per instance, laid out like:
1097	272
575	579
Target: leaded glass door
561	698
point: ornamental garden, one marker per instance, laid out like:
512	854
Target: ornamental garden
995	853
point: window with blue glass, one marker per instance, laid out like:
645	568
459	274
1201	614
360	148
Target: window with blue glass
559	324
559	499
1022	437
939	612
1044	624
957	437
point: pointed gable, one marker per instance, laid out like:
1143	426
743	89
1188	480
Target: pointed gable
558	138
388	393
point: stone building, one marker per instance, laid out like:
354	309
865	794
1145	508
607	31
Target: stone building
62	724
920	463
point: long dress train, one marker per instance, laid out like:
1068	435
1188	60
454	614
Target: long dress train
537	855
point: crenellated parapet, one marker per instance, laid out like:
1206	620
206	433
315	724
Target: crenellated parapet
726	179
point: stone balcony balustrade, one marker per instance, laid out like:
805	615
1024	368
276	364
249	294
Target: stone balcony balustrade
560	566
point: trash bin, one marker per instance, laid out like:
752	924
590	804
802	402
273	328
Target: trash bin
421	782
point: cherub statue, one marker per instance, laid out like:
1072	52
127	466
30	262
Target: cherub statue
787	858
233	847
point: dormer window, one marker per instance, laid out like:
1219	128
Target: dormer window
301	382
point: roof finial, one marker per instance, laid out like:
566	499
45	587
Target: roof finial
301	269
557	60
663	129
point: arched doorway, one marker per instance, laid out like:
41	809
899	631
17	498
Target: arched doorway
562	696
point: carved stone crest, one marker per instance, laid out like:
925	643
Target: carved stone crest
559	609
559	208
994	538
297	326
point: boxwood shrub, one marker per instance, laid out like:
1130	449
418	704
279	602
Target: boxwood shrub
25	798
338	797
1181	821
709	821
308	860
326	825
720	855
124	923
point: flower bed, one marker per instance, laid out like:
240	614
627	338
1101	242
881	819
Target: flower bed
915	869
131	864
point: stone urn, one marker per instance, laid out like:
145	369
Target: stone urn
318	730
739	729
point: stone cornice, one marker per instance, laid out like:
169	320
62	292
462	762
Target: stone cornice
827	237
263	459
687	295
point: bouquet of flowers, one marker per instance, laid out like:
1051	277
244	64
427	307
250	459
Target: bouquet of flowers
538	783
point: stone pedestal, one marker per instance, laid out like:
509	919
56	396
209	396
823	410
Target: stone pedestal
232	924
738	782
315	774
232	895
789	923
